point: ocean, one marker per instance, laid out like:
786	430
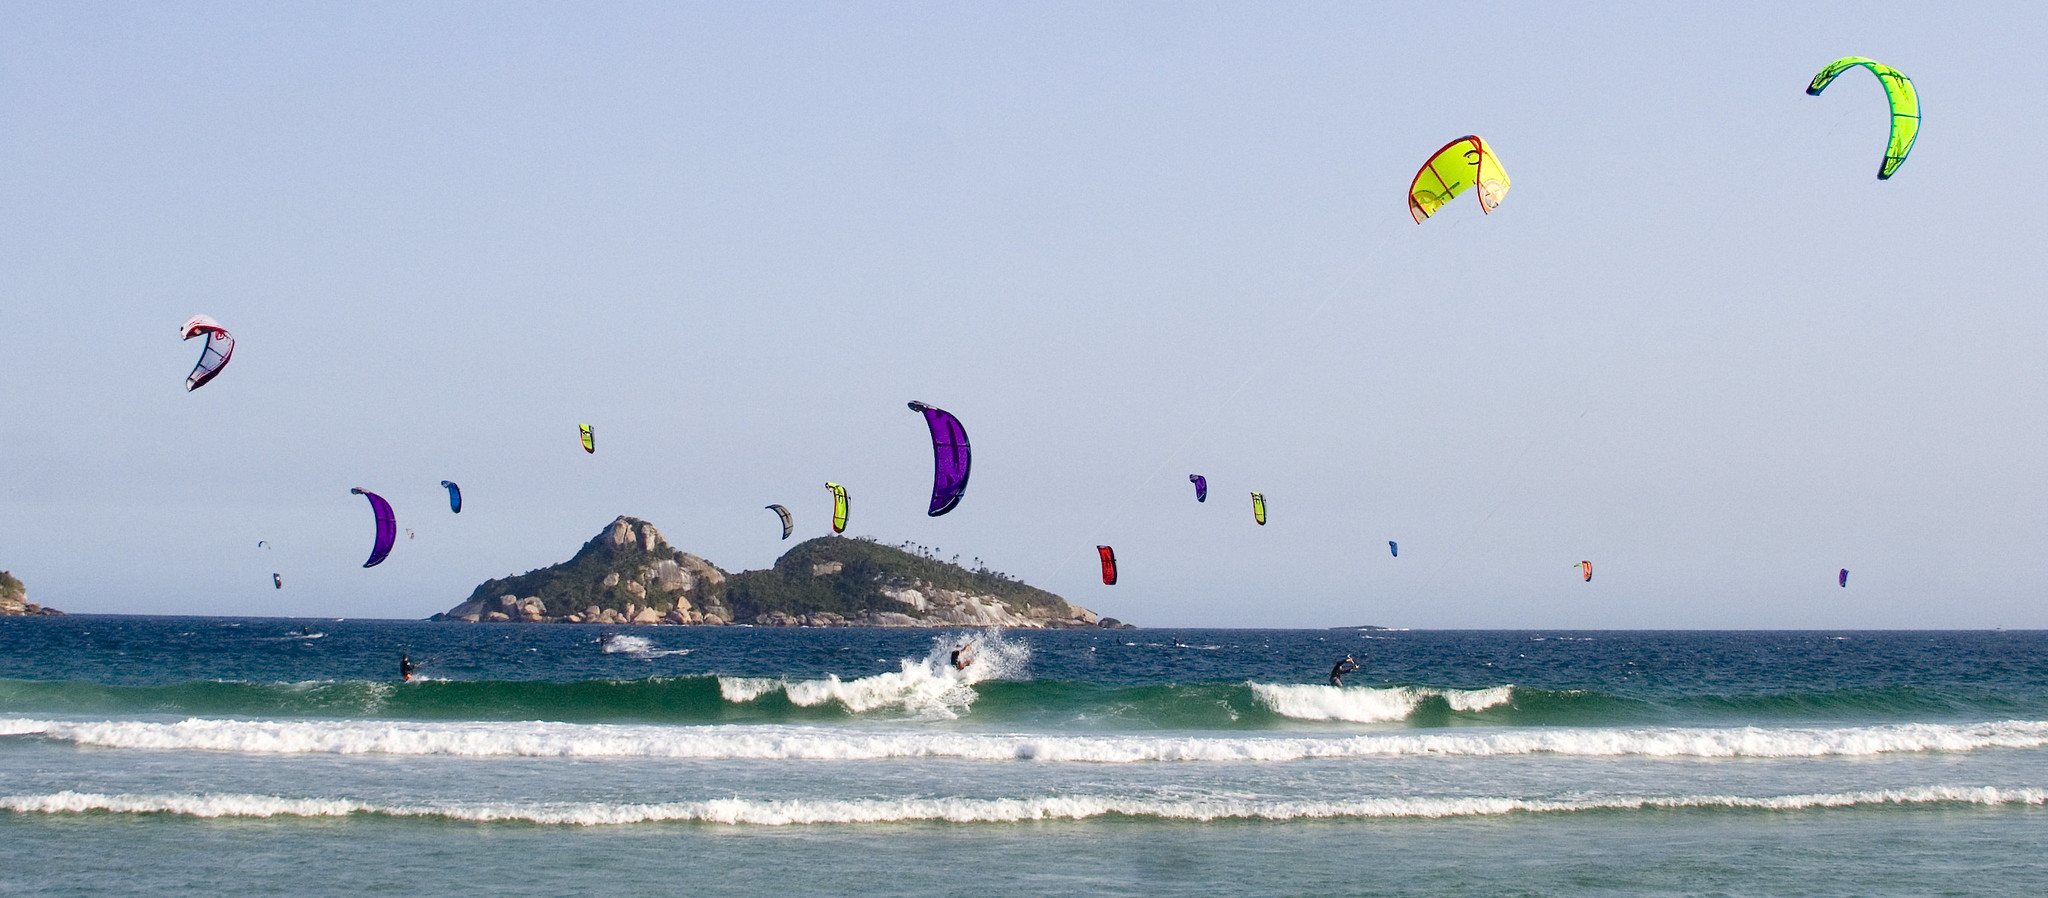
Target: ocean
140	755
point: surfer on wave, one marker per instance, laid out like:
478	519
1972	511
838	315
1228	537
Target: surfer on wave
1343	667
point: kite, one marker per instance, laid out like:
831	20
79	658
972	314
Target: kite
950	458
1905	106
1586	567
220	346
784	513
1461	164
411	535
1201	487
276	582
1259	508
1843	578
1108	564
1394	548
261	544
387	526
840	501
589	442
454	496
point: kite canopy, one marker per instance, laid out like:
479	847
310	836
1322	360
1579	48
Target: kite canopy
589	442
454	496
276	582
1259	508
1905	106
1108	564
387	526
220	347
1458	166
1201	487
950	458
839	504
787	526
1843	578
1586	567
1394	548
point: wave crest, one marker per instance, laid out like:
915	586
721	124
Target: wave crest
777	742
1366	704
751	812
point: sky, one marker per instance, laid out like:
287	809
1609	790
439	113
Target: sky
1699	344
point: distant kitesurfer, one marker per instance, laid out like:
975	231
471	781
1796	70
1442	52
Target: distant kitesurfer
1343	667
963	656
405	667
305	630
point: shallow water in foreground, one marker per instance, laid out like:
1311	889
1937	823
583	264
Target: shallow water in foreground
242	756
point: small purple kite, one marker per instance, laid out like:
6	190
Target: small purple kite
1201	487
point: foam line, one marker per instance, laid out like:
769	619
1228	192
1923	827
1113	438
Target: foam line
776	742
751	812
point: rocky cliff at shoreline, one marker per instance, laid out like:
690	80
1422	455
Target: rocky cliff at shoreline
629	574
14	598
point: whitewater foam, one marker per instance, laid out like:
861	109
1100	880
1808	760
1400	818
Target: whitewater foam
776	742
1365	704
750	812
637	646
930	687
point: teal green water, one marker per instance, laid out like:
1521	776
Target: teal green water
249	757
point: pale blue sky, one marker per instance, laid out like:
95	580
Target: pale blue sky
1699	344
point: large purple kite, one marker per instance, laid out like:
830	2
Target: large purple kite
950	458
387	526
1201	487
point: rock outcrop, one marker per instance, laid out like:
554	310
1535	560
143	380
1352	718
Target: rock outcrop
629	575
14	598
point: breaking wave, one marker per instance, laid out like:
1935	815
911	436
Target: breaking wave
565	740
752	812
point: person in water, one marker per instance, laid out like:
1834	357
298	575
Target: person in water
1343	667
405	667
963	656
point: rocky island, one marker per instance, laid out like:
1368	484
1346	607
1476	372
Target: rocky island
14	598
629	574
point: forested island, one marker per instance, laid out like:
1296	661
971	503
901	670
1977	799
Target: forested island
629	574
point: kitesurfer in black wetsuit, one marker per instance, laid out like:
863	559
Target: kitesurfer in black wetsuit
405	667
1343	667
963	656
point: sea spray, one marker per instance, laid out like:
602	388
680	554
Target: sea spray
636	646
939	685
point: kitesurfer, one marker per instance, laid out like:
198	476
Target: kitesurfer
963	656
1343	667
405	667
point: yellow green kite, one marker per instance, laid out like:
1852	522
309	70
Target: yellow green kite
1462	163
1905	105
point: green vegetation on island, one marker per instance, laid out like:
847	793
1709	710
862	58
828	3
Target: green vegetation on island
630	574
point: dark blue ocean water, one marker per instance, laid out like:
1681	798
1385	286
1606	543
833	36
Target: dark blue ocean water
265	755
